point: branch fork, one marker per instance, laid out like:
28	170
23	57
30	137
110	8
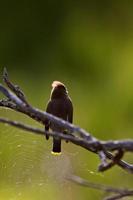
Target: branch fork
16	100
109	152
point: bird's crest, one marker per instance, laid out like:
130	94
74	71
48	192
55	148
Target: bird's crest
57	83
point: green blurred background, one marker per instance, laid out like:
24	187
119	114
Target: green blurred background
87	45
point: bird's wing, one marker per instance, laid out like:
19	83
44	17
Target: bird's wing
70	110
47	122
48	110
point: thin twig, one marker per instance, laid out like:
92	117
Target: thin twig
119	192
14	88
40	131
11	96
75	140
107	165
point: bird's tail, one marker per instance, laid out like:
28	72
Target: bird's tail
56	146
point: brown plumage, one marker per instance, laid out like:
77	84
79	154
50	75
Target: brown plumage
61	106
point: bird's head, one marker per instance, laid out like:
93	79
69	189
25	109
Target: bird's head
58	90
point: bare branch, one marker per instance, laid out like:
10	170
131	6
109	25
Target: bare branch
7	103
118	192
14	88
86	183
40	131
75	140
120	196
103	159
11	96
119	144
16	100
107	165
41	115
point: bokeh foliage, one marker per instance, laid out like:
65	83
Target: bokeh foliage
88	46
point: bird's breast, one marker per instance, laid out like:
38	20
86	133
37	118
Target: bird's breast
59	109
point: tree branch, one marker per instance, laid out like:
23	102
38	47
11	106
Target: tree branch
118	193
75	140
16	100
14	88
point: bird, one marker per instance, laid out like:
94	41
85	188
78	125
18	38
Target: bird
59	105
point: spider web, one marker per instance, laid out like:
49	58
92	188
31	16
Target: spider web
26	162
25	159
